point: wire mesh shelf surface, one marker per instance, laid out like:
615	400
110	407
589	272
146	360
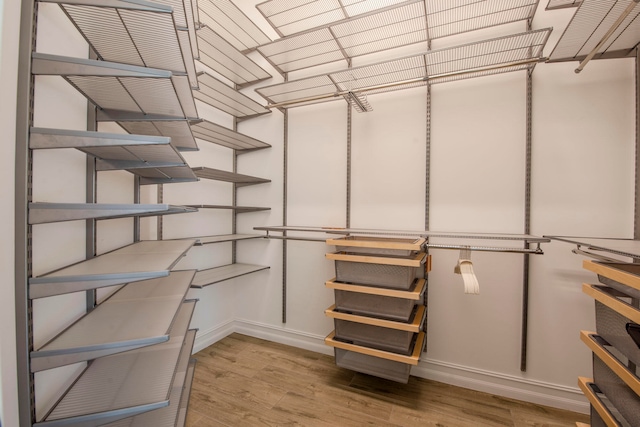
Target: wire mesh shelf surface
510	53
399	25
224	17
178	130
562	4
219	55
590	25
225	137
223	97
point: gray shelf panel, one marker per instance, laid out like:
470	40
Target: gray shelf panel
138	261
178	130
220	55
220	175
42	213
223	97
225	137
126	384
172	415
591	22
116	151
224	17
122	87
207	240
169	175
137	315
562	4
237	209
123	35
287	17
622	247
390	27
211	276
499	55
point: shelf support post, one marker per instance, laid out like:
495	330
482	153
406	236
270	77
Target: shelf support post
349	120
23	306
284	207
527	218
91	195
636	218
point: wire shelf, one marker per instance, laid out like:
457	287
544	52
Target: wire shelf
168	175
211	276
219	95
237	209
122	35
235	178
43	213
220	55
590	26
562	4
225	137
399	25
224	17
511	53
178	130
289	17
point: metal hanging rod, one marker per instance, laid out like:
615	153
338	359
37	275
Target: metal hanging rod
426	79
579	251
535	251
608	34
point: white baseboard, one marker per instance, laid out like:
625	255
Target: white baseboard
513	387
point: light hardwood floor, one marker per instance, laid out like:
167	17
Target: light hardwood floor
245	381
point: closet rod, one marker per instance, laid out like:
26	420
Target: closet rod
607	35
406	82
579	251
536	251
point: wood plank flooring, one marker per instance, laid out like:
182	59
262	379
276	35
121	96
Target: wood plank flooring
245	381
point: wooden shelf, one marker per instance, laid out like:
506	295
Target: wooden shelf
414	326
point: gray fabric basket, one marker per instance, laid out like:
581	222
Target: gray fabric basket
382	368
381	275
343	246
625	402
392	340
628	290
596	419
611	326
381	306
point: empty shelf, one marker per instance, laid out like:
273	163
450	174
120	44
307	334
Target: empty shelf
219	95
622	247
178	130
126	384
237	209
167	175
123	34
224	17
220	274
41	213
138	261
173	415
121	87
220	175
207	240
225	137
137	315
588	27
113	150
562	4
394	26
219	55
511	53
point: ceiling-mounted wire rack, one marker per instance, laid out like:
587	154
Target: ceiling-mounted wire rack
289	17
510	53
221	56
122	35
562	4
398	25
600	30
224	17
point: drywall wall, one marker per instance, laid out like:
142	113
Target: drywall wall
9	29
